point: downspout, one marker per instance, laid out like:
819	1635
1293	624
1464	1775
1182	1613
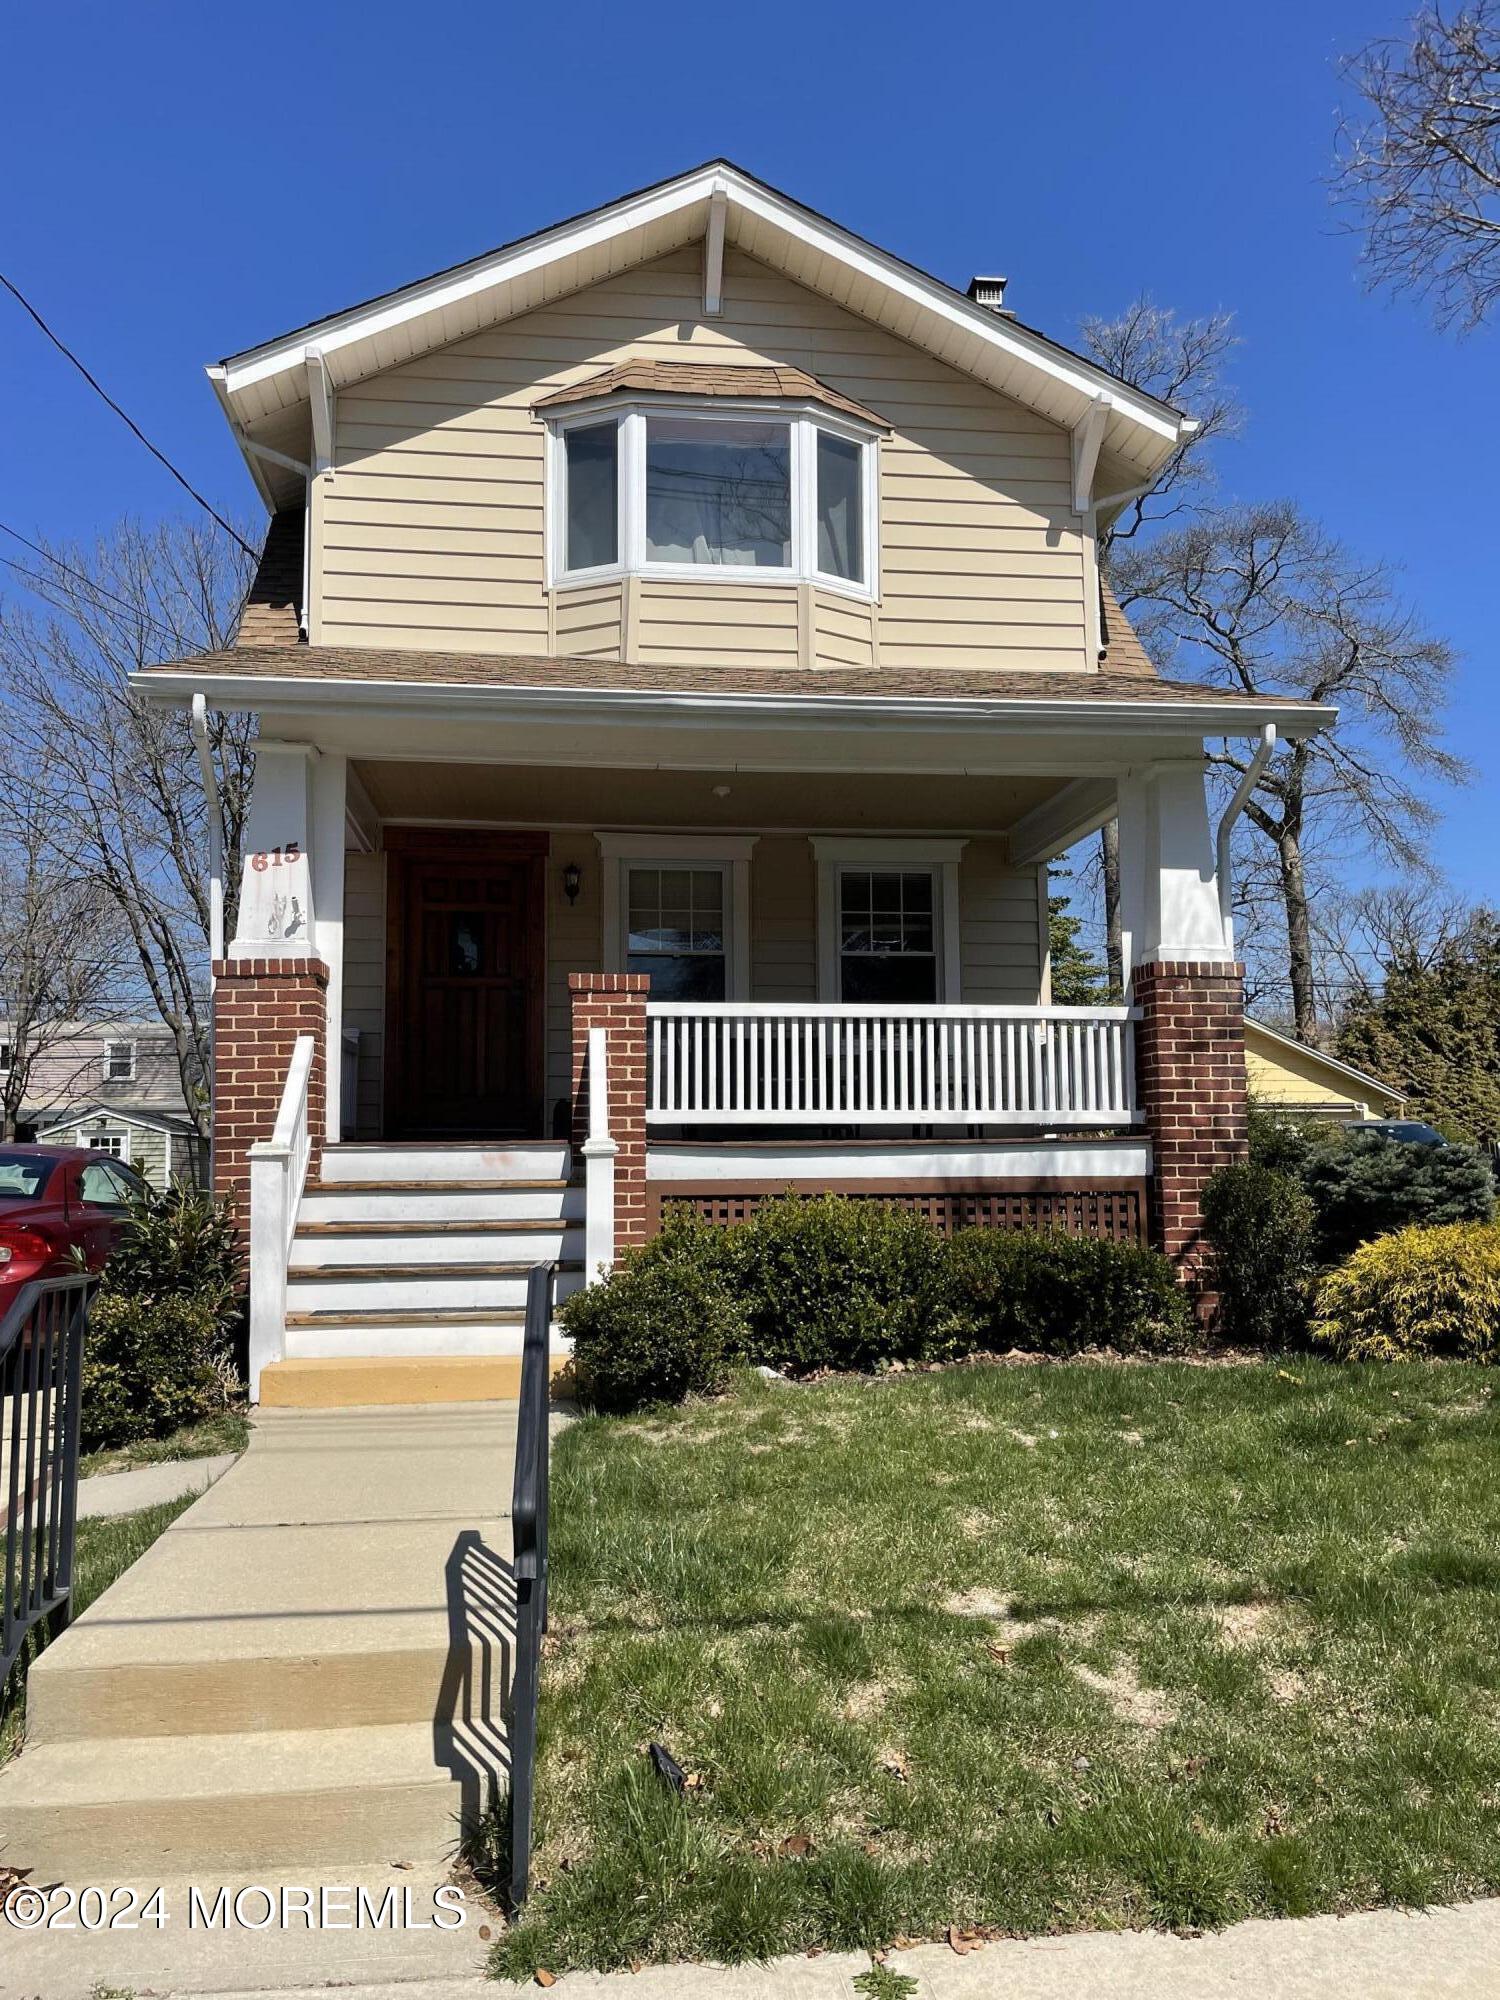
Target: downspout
1232	811
199	726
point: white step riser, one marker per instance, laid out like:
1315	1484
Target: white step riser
364	1343
542	1161
497	1204
552	1242
414	1293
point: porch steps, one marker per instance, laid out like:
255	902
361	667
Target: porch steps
408	1273
307	1669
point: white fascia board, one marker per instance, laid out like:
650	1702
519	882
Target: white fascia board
1164	425
1197	719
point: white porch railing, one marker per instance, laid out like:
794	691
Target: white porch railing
762	1063
278	1172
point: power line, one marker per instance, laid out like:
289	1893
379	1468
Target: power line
21	299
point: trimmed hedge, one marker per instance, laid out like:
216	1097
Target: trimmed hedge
1419	1292
826	1282
1262	1228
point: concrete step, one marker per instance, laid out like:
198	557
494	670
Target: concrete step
425	1162
365	1381
117	1808
420	1288
446	1201
423	1242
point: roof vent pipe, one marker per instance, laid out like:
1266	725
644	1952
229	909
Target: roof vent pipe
990	293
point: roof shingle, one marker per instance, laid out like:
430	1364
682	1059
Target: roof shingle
700	378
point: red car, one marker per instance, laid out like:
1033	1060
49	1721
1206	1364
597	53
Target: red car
59	1206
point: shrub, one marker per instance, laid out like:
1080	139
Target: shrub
832	1283
662	1325
1287	1142
150	1365
1370	1184
1433	1291
160	1336
1261	1226
1055	1294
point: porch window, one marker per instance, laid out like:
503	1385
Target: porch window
677	931
773	495
887	936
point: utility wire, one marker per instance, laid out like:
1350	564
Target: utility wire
21	299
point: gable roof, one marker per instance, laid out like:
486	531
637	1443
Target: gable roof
1284	1050
709	378
265	394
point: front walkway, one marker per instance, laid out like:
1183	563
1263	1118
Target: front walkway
302	1679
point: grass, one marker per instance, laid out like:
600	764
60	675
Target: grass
104	1549
228	1431
1026	1649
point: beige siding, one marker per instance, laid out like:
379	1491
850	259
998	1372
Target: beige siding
783	920
1000	937
587	623
364	982
430	530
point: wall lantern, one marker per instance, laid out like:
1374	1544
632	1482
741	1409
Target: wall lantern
572	881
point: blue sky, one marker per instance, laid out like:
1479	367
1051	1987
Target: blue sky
182	184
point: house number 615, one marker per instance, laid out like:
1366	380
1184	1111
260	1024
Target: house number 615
277	857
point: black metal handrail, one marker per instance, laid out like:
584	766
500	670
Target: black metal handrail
41	1393
528	1520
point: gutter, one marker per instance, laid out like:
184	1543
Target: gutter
1232	811
563	704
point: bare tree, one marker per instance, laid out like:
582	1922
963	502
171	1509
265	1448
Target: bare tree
1181	362
1420	163
1263	601
130	813
61	956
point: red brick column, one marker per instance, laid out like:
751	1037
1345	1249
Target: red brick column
616	1002
261	1006
1190	1076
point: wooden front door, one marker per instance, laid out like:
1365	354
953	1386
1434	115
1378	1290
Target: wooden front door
466	969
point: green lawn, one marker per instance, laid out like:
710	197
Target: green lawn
230	1431
104	1550
1032	1648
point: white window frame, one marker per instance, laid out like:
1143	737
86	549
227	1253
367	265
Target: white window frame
105	1138
938	858
729	853
109	1068
805	419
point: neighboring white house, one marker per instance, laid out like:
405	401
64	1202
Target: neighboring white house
679	649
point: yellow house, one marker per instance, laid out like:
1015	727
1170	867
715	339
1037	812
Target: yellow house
1284	1074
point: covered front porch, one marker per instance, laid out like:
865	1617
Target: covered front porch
674	949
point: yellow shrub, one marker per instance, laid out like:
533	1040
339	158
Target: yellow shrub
1415	1292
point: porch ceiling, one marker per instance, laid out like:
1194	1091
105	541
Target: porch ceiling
842	800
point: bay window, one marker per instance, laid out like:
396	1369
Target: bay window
773	496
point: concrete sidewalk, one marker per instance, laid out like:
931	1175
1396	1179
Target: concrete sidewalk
108	1494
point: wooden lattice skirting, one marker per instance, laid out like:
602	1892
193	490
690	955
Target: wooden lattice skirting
1112	1209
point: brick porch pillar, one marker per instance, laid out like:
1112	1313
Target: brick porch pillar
616	1002
261	1006
1190	1076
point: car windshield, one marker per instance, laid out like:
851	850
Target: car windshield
23	1176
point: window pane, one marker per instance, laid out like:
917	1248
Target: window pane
890	980
678	910
593	495
718	492
840	508
681	978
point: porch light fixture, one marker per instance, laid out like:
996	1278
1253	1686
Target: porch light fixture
572	881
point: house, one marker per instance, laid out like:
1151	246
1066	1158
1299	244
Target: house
115	1086
1284	1074
679	649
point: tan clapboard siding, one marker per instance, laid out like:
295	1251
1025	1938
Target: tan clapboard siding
441	458
364	981
845	635
589	622
783	920
1000	942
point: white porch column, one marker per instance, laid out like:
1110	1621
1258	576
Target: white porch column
1169	900
329	790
